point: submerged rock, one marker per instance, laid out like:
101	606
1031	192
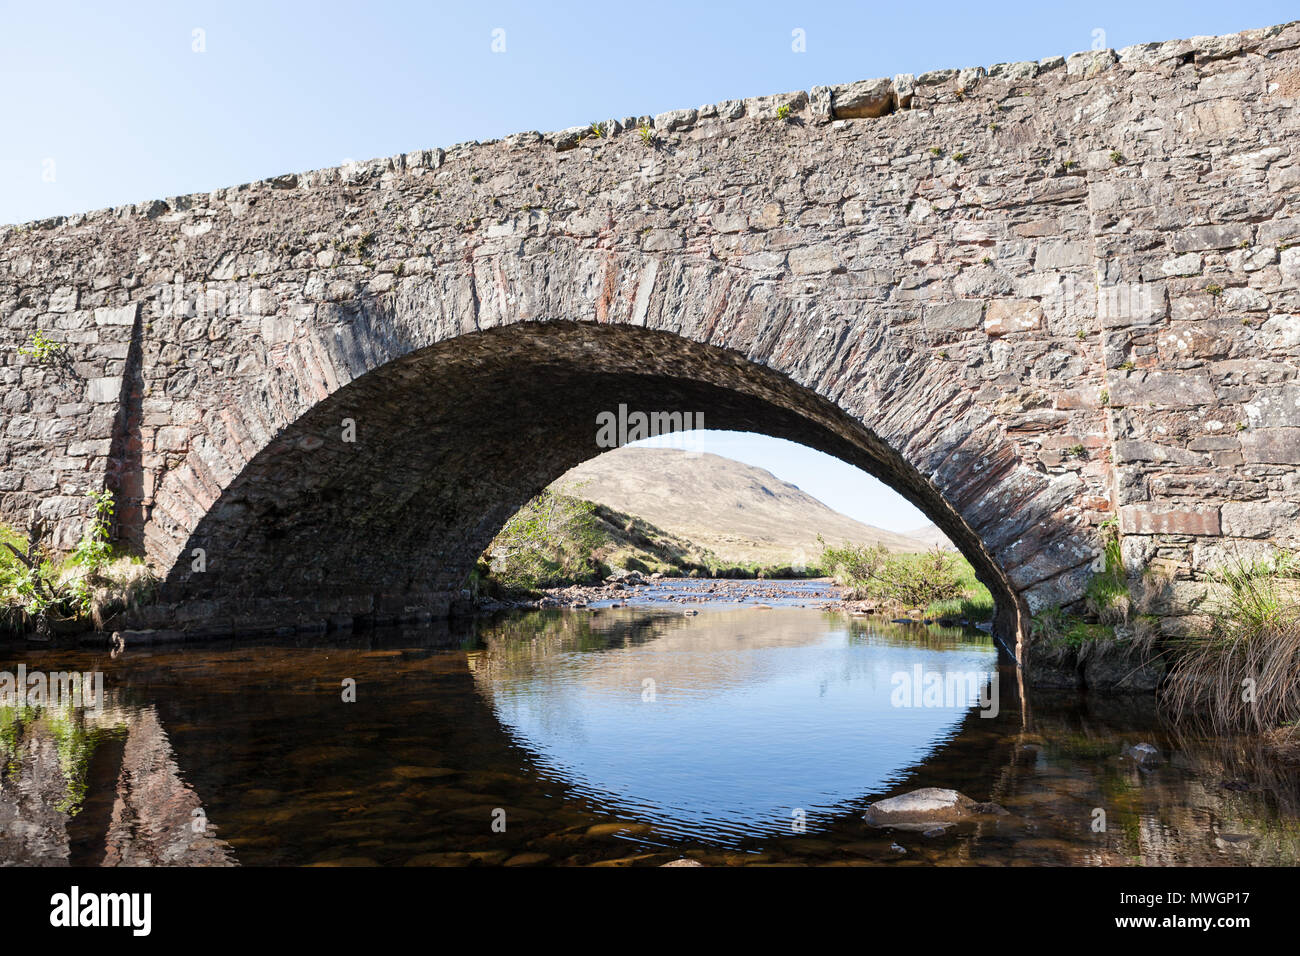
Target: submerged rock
1053	668
1147	755
927	809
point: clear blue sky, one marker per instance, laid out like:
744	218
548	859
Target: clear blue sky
114	94
109	103
843	487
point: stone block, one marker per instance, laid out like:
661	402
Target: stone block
63	299
1258	519
121	315
960	316
101	390
1278	446
1160	387
1197	238
1012	315
1089	63
813	259
675	120
1164	519
863	99
1281	332
1275	407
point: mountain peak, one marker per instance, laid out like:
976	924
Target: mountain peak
740	512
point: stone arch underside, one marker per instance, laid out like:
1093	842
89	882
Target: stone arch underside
453	437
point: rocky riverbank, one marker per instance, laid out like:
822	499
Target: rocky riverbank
632	588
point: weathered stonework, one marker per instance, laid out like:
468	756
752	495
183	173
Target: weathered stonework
1031	298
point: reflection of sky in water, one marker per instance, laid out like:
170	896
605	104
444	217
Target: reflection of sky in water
756	713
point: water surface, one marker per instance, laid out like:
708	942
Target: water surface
628	736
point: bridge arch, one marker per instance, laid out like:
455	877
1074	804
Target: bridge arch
376	501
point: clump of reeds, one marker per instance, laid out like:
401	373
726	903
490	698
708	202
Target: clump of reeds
1242	671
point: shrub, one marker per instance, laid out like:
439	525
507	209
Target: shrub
852	566
45	350
91	585
915	580
940	582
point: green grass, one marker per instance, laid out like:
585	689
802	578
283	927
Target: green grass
942	584
88	586
1242	671
558	540
1108	596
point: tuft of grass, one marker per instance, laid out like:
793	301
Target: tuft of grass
1107	595
1242	671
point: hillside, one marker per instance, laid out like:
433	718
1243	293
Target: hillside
556	540
931	537
740	513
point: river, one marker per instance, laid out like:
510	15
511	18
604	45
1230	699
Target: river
633	735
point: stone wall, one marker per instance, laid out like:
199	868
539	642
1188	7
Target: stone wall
1034	299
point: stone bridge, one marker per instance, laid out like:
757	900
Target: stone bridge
1035	299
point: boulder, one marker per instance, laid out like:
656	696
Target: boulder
623	576
927	809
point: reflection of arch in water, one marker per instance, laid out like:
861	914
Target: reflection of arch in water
710	751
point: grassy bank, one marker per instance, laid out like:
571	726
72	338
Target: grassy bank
1237	670
938	584
41	595
557	540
